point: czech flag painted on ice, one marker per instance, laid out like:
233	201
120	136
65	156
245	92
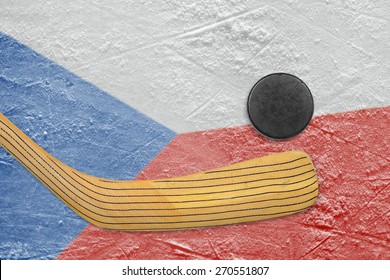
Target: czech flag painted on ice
153	90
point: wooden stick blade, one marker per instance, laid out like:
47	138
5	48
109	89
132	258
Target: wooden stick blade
257	189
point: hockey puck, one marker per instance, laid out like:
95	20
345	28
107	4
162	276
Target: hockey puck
280	106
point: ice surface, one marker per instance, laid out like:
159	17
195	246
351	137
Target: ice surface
177	61
190	65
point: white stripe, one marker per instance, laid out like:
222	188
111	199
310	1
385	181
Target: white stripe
191	66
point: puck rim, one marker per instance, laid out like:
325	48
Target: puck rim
297	132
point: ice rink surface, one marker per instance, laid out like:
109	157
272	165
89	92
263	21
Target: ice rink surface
121	89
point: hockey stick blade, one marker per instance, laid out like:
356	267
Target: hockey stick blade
257	189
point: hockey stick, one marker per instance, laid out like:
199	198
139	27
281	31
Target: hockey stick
257	189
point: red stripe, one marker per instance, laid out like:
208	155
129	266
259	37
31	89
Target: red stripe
351	152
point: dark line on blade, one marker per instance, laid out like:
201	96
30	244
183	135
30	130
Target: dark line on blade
217	213
202	193
229	177
255	166
203	186
212	220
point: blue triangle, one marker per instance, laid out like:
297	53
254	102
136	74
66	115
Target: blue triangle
79	124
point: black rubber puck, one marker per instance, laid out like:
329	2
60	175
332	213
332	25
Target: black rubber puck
280	106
